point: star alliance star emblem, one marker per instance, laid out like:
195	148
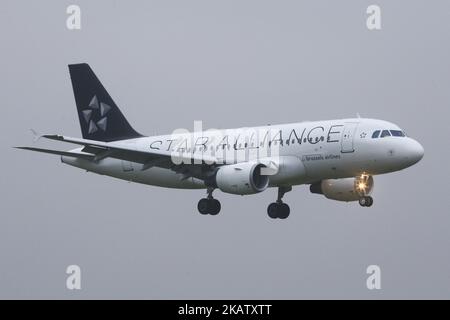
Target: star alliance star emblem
363	135
96	111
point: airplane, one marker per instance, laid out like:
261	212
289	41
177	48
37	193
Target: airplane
336	158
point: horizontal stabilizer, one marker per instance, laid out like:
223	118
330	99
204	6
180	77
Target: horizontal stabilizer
61	153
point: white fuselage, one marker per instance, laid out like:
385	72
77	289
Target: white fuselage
303	152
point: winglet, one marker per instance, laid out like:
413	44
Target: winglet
36	136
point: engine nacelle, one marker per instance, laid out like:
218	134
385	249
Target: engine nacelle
242	178
346	189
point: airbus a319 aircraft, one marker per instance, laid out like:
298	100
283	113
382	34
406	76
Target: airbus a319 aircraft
337	158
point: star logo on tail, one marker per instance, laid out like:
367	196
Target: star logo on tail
95	115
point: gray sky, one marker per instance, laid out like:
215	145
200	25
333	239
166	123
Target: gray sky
230	64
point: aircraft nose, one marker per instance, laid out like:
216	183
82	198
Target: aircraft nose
415	151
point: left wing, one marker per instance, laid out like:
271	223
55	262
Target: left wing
185	163
123	150
61	153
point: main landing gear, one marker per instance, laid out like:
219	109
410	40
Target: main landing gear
209	205
279	209
366	201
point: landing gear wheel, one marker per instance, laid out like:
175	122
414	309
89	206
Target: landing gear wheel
366	201
272	210
362	201
284	211
209	206
203	206
278	210
214	206
369	202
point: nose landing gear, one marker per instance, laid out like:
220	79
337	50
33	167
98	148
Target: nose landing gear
279	209
366	201
363	185
209	205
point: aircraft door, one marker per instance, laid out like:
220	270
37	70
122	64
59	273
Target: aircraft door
348	136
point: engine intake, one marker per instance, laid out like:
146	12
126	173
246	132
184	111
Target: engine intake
242	178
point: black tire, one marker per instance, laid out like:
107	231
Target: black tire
214	207
369	201
203	206
363	202
273	210
284	211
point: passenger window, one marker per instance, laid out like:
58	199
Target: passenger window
385	133
397	133
376	134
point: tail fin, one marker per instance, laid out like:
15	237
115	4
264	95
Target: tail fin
100	118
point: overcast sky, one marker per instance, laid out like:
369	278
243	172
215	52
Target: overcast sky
228	63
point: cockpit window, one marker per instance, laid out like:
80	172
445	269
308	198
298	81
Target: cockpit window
397	133
376	134
385	133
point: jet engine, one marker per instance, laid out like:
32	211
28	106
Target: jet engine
242	178
346	189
